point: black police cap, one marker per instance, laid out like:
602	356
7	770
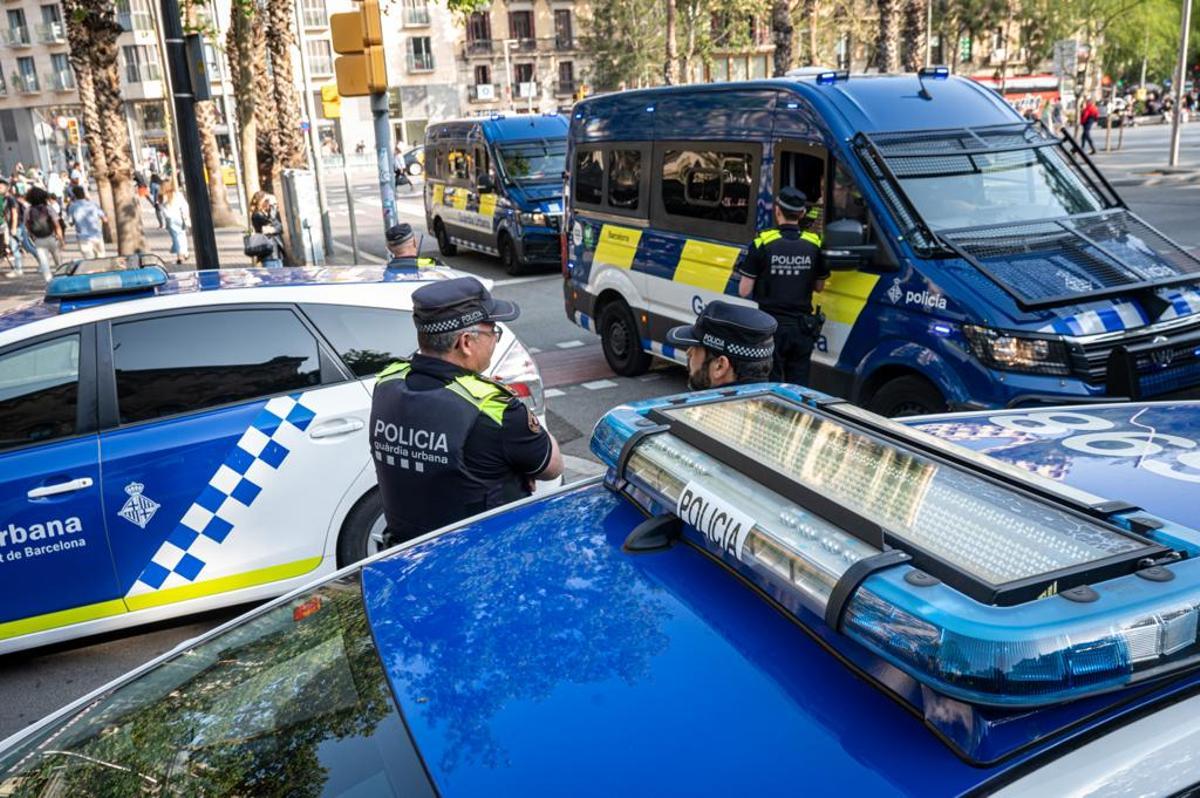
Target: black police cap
792	199
399	233
448	305
736	331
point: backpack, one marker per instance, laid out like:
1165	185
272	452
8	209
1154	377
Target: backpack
40	222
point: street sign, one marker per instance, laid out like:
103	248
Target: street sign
527	89
1066	53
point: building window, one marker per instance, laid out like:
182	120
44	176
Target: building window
564	33
62	76
566	77
3	85
416	12
420	54
141	63
51	31
314	14
479	32
18	31
134	15
27	74
483	75
320	57
520	27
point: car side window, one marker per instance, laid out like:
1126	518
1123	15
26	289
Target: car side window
366	339
39	392
706	184
192	361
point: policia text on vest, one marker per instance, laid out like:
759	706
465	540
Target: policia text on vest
781	271
448	443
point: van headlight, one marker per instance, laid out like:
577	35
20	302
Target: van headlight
533	220
1013	352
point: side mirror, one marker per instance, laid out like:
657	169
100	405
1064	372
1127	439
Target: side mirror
845	246
485	183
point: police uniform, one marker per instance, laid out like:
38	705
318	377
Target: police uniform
740	333
785	263
448	443
399	234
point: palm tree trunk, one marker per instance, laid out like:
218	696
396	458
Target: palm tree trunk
218	197
781	33
914	34
280	41
669	74
239	49
811	12
887	45
95	145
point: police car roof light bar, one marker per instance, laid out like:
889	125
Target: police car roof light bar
832	76
94	284
1022	640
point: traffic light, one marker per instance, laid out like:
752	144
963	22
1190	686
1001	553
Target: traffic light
331	102
358	39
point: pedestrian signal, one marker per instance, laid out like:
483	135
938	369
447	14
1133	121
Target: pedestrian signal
331	102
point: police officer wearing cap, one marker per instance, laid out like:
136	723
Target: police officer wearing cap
782	270
728	345
446	441
402	246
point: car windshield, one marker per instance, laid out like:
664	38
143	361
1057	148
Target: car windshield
292	702
954	191
534	160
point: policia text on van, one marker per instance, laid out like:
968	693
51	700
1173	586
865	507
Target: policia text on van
977	261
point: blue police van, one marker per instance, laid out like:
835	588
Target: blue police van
979	262
494	185
770	592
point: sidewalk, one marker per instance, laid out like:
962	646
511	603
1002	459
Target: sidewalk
30	286
1142	159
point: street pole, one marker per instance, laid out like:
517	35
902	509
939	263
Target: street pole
1180	79
383	157
203	235
349	196
314	135
512	101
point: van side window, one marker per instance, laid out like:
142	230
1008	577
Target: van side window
482	166
589	177
458	164
624	179
846	200
708	184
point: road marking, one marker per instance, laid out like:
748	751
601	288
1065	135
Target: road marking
596	385
569	344
533	279
553	393
533	350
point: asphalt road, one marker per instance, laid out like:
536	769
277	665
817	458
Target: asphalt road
580	388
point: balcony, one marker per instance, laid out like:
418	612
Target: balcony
524	45
26	84
566	86
142	73
416	16
564	43
52	33
420	62
316	18
480	47
481	93
17	36
60	80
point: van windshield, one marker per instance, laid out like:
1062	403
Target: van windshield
955	191
529	161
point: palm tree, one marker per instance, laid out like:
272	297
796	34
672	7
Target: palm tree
915	12
95	28
95	146
280	41
669	75
242	50
781	34
887	47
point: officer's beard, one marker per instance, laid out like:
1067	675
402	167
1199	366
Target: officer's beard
699	380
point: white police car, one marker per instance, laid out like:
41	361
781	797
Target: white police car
169	444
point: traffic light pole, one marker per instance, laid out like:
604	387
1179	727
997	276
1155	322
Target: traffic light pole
191	158
383	156
1180	80
314	136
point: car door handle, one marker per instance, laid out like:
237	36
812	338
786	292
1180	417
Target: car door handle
339	426
62	487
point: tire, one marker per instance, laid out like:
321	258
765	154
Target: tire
509	259
620	341
907	396
356	540
443	239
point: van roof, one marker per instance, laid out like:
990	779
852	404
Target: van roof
519	127
869	103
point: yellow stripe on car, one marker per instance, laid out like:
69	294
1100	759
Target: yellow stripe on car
845	296
617	246
460	199
53	620
706	265
487	205
222	584
439	192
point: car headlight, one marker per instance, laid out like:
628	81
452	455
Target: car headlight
533	219
1014	352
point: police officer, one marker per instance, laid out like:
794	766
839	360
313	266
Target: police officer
728	345
402	246
781	272
447	442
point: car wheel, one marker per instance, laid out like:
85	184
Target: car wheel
443	239
907	396
362	531
415	169
620	341
509	259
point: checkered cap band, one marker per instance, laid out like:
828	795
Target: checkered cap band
453	323
742	351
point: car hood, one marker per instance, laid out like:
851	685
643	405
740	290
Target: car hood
1143	453
531	655
534	197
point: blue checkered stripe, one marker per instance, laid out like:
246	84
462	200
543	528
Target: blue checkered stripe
233	488
1121	314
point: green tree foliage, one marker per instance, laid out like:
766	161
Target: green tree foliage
624	39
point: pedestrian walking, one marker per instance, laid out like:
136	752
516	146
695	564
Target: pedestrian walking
1088	117
15	208
175	216
728	345
447	442
88	219
156	182
56	186
264	218
45	229
781	271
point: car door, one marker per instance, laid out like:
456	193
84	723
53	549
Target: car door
55	564
232	436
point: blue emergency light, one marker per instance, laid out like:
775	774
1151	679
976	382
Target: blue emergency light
105	276
989	584
832	76
934	73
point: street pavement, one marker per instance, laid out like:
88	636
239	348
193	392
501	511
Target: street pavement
580	387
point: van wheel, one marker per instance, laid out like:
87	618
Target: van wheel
509	259
362	531
620	341
907	396
443	239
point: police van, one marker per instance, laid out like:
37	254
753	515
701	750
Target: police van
769	592
173	443
979	262
494	185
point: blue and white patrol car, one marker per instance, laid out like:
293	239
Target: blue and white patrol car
169	444
769	592
495	184
979	262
